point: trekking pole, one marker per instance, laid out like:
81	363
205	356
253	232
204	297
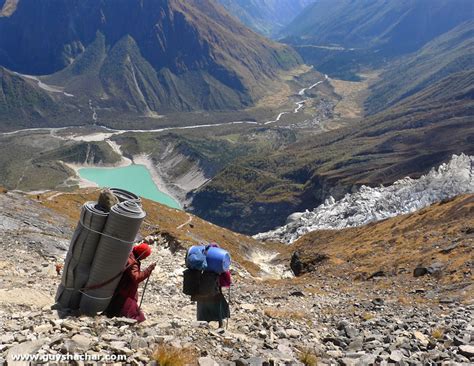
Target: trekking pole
144	289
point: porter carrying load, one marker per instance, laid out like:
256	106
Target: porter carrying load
207	272
98	252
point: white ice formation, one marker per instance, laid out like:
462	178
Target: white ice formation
373	204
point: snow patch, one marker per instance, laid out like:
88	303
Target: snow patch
374	204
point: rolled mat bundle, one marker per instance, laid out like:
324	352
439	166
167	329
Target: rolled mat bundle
80	255
111	256
98	253
124	195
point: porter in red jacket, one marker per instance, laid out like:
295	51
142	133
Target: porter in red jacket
125	300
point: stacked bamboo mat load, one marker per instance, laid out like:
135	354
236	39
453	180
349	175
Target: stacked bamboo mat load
98	253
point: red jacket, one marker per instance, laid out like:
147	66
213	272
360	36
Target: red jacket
131	278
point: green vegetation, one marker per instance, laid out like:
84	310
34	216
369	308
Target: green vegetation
95	153
32	161
257	193
210	150
18	170
21	98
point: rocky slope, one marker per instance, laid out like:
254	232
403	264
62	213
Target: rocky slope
327	318
147	58
374	204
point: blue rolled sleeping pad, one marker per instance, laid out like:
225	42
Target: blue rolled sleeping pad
218	260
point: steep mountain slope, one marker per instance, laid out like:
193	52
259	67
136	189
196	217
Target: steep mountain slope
343	38
392	27
447	54
438	239
146	57
23	103
425	130
267	17
20	97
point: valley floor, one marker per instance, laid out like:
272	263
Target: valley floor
290	321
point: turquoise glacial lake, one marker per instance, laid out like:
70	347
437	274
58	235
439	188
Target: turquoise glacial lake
133	178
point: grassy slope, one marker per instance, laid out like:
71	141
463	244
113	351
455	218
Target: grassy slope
398	245
258	193
163	219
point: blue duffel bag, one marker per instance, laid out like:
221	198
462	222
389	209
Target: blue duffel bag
196	258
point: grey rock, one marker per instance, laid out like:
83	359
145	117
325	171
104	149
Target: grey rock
420	271
356	344
378	301
81	341
351	332
207	361
354	354
366	360
467	350
255	361
396	356
43	328
458	341
420	337
348	361
25	348
293	333
124	320
435	268
6	338
336	341
334	353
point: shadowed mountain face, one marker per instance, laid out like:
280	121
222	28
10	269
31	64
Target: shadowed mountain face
145	56
344	37
447	54
21	99
258	193
393	27
267	17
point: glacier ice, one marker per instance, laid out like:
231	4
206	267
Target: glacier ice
373	204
